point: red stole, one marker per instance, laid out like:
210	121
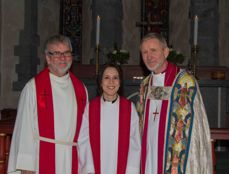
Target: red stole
170	75
123	137
46	120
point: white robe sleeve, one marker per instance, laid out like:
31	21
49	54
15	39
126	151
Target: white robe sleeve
133	163
86	164
200	153
23	151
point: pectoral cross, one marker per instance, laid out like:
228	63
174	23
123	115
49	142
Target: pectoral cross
155	114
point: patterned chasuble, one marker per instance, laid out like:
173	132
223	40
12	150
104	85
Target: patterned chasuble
180	121
180	117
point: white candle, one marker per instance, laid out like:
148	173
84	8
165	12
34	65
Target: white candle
195	29
97	30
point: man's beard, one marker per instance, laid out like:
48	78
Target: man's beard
62	71
154	68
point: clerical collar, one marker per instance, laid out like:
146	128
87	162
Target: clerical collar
153	73
110	101
61	79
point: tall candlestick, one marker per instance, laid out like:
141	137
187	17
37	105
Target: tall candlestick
195	29
97	61
97	30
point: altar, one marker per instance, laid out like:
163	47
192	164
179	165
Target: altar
215	96
215	92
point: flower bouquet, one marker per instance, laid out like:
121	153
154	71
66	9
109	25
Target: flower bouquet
118	56
175	57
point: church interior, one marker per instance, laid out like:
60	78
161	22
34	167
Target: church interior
196	32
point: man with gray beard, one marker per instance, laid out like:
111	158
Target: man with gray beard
51	129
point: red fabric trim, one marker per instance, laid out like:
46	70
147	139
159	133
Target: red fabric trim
46	120
81	100
124	133
94	132
144	139
161	136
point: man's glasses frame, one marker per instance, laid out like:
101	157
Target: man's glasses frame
58	54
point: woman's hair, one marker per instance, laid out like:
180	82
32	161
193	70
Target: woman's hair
100	76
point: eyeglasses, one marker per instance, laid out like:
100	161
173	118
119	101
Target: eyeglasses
57	54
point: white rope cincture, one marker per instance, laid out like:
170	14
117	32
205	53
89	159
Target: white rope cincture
54	141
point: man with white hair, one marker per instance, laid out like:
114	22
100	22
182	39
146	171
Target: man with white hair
176	134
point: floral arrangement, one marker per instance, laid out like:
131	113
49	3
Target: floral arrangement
121	56
118	56
175	57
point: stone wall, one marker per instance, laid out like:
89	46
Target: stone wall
12	25
208	31
118	25
179	27
212	33
223	33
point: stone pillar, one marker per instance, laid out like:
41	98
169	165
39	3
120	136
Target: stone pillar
179	27
118	24
223	33
28	46
131	33
111	14
0	51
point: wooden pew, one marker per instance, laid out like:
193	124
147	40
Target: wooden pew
6	131
217	134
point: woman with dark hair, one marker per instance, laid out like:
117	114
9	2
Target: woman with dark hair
100	77
114	127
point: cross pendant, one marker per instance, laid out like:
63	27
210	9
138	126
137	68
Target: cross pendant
155	114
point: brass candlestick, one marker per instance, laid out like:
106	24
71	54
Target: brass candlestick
194	60
97	60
